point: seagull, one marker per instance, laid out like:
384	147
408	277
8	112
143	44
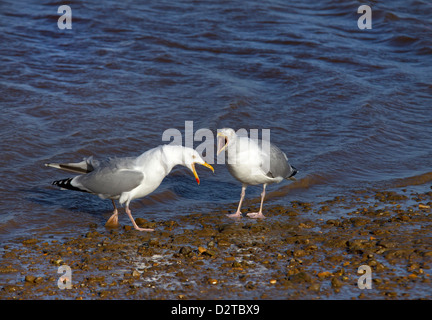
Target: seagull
126	179
253	162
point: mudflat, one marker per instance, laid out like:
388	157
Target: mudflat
301	251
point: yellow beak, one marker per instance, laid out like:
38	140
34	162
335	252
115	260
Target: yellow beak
205	164
221	142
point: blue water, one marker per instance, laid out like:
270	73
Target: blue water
351	108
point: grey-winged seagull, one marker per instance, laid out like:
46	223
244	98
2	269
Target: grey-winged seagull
126	179
251	163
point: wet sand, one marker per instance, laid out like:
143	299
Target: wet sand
301	251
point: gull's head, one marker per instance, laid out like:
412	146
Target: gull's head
192	157
225	136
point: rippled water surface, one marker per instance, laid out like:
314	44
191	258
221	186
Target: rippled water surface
351	108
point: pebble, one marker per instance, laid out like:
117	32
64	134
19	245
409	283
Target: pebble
299	253
336	283
201	250
104	294
315	287
30	241
185	251
324	274
223	243
33	279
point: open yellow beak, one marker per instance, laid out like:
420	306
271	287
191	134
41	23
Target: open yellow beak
222	142
205	164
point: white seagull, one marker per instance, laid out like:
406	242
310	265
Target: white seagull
250	162
126	179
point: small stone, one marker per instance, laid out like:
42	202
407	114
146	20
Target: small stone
333	222
131	292
212	281
185	251
38	280
143	223
315	287
30	279
145	251
304	225
210	253
427	254
391	294
29	241
336	283
324	274
404	217
299	253
92	234
223	243
201	250
10	288
140	221
250	285
153	242
301	277
413	267
58	262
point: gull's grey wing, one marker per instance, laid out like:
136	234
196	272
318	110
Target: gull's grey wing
109	181
275	162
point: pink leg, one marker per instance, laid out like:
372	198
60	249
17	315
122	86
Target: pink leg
113	220
259	215
133	221
238	213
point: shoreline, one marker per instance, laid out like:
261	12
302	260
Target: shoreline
305	250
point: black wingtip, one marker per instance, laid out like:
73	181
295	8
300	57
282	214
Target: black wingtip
67	184
294	172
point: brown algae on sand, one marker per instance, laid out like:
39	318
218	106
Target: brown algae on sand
301	251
